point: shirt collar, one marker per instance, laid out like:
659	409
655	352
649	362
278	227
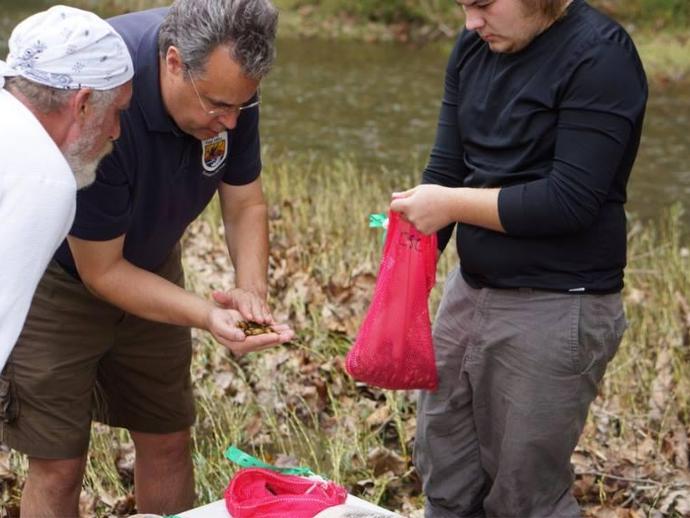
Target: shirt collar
147	89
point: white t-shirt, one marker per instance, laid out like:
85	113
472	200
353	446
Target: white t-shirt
37	205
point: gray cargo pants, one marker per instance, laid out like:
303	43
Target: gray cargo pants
518	370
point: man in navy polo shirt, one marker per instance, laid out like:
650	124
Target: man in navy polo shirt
111	311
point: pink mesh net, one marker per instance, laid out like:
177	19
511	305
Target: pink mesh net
262	493
393	348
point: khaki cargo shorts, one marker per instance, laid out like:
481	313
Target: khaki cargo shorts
79	358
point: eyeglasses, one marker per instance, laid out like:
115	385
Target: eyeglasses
222	111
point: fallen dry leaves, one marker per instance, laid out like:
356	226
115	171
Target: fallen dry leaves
624	466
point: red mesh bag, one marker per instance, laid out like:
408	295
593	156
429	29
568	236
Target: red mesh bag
393	348
262	493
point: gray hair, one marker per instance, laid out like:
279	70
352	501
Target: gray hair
46	99
197	27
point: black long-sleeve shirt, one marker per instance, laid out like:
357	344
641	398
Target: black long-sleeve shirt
556	126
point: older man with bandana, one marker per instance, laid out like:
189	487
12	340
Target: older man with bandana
66	79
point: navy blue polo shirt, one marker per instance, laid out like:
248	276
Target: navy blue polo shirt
158	179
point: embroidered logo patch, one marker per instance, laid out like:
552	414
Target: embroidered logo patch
214	151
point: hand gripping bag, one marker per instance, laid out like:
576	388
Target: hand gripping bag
262	493
393	348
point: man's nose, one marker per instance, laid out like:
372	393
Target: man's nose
229	121
473	19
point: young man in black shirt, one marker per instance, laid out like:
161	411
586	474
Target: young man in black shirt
538	131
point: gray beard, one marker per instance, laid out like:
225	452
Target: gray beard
84	173
84	169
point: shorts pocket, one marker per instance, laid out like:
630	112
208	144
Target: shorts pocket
9	406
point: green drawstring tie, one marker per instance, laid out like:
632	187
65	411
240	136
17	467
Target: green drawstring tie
245	460
379	221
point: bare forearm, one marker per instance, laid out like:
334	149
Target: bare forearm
149	296
433	207
246	236
477	207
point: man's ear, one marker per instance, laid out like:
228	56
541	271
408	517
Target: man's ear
80	105
173	61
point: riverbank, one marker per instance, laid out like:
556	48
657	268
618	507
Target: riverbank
664	45
295	405
661	28
655	14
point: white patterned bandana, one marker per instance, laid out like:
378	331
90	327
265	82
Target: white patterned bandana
67	48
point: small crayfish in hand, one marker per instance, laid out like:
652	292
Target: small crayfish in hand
254	328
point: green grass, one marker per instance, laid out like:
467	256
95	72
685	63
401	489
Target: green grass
666	56
657	296
296	405
319	211
651	12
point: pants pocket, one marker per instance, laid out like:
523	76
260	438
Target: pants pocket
601	328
